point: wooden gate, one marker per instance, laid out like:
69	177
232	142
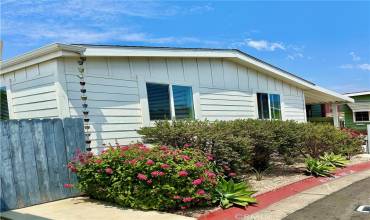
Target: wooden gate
34	155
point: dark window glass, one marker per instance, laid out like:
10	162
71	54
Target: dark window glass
183	101
263	106
4	114
362	116
159	101
275	106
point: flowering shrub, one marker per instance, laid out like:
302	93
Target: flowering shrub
136	176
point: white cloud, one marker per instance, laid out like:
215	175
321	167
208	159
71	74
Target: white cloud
354	56
263	45
363	66
295	56
346	66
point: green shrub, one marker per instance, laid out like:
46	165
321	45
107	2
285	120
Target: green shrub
231	151
231	193
158	178
316	167
242	144
334	160
319	138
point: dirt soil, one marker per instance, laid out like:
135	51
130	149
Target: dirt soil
277	176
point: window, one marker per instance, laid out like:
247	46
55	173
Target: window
4	114
361	116
268	106
159	100
275	106
183	101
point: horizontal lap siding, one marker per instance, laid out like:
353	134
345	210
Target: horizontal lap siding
113	100
33	93
223	90
217	104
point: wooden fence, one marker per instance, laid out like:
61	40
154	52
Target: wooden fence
34	155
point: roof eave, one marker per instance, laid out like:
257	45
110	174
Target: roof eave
6	66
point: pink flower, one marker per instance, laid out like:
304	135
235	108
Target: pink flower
124	147
141	176
68	185
98	161
187	145
209	157
157	173
149	162
201	192
185	157
232	174
132	162
183	173
108	171
197	182
210	174
165	166
177	197
187	199
164	148
198	164
183	207
149	182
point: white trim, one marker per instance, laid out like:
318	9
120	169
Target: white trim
172	102
61	89
229	54
8	87
357	94
354	117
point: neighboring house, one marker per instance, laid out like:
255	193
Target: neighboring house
130	87
357	114
322	113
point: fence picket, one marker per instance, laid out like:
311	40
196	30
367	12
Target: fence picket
8	194
34	157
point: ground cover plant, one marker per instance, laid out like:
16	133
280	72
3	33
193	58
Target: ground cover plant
317	167
231	193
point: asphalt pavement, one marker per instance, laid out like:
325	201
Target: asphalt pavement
340	205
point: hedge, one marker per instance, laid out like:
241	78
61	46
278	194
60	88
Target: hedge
242	144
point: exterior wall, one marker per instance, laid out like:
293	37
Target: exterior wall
31	91
116	90
348	114
117	96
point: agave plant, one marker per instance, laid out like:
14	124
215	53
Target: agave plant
334	160
231	193
316	167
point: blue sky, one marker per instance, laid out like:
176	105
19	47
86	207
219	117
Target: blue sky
324	42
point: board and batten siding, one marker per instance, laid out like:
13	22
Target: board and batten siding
31	91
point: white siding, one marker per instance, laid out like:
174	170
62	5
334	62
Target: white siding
113	98
32	91
116	91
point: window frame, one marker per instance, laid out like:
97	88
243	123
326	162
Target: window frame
171	99
269	104
354	117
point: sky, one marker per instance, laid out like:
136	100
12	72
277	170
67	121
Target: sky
326	42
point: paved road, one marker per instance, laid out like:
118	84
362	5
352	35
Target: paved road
339	205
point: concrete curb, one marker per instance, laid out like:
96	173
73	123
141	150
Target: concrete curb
271	197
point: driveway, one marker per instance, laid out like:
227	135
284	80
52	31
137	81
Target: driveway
81	208
339	205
